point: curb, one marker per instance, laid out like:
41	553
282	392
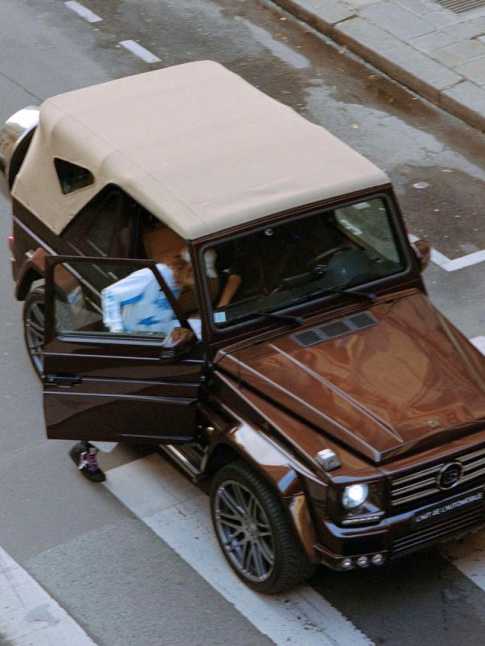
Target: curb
403	63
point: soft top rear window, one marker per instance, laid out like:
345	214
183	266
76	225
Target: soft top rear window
71	176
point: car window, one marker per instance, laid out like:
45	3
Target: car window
105	226
100	233
91	299
71	176
299	260
367	223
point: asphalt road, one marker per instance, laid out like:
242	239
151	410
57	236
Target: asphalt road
96	554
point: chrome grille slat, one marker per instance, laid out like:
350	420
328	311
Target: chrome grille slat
471	476
471	456
471	465
415	496
412	487
422	484
419	474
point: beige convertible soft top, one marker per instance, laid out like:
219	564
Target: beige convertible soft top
195	144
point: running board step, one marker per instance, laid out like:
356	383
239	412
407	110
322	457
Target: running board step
188	458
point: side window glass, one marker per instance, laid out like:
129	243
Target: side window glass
71	176
90	299
100	233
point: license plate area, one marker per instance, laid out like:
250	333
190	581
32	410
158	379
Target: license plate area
445	509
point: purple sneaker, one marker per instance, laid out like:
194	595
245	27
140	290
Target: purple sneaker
84	455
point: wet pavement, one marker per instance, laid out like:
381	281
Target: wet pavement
434	47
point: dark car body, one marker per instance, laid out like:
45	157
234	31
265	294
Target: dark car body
329	379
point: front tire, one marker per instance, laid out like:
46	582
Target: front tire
255	532
34	324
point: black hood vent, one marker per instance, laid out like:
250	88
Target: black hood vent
334	329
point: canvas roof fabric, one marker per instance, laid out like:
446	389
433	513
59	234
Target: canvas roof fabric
195	144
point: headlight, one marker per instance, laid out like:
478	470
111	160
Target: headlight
354	496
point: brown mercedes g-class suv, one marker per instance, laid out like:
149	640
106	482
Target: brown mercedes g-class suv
302	370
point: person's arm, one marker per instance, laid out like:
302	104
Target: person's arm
125	291
231	287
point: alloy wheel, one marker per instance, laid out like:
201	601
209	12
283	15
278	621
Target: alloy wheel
34	328
244	531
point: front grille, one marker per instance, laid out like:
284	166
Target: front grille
423	484
460	522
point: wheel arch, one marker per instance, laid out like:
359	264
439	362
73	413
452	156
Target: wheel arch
251	446
32	270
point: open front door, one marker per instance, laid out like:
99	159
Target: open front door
118	363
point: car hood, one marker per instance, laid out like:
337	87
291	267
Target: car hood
408	382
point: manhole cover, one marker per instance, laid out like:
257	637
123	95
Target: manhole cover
462	6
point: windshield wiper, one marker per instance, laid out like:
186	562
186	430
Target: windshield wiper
360	296
285	318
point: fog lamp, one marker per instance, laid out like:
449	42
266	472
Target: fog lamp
377	559
355	495
346	564
363	561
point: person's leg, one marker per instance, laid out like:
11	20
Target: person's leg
84	455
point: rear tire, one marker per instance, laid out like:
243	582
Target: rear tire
34	328
255	532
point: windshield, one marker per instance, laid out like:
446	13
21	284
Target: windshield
299	260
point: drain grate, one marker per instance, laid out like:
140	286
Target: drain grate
461	6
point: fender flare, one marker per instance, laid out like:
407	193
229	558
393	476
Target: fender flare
32	270
277	468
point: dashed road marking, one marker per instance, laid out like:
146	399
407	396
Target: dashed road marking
82	11
447	264
179	514
140	51
463	261
28	615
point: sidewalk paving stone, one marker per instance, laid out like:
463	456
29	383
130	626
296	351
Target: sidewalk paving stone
467	101
397	20
398	59
460	53
443	18
432	41
321	14
474	71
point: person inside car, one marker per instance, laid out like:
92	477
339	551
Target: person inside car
136	303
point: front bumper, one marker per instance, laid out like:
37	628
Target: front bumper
403	533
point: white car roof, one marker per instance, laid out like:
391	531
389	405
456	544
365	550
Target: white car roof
195	144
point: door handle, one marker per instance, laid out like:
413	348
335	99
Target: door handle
65	381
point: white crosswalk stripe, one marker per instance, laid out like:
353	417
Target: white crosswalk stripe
29	616
177	512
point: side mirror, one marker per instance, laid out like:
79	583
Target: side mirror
178	344
422	250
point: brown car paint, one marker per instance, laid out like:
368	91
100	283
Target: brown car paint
384	391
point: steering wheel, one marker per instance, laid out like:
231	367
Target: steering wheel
328	254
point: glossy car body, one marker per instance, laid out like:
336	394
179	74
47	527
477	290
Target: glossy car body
328	379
